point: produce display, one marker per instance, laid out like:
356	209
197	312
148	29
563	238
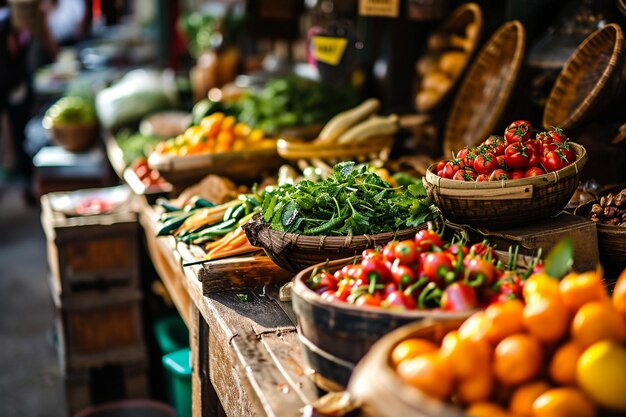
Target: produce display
423	273
149	177
560	350
216	133
134	145
351	201
610	210
521	153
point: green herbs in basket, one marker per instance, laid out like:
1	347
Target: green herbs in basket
351	201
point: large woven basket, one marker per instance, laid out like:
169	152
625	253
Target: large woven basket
589	80
482	99
382	393
506	203
336	335
294	252
456	24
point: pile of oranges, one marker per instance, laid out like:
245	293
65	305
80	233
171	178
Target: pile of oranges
216	133
561	353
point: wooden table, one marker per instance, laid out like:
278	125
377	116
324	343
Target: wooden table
245	354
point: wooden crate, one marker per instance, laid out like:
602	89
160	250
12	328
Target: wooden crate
84	387
95	330
545	234
93	253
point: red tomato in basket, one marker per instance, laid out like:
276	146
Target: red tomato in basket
537	152
466	174
498	175
554	160
518	131
496	144
485	163
517	174
451	167
533	172
517	155
482	177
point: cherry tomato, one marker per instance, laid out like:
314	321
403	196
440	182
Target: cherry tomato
554	160
459	297
405	252
470	159
465	174
552	136
537	152
518	131
501	159
533	172
440	173
496	144
485	163
499	174
462	154
482	177
567	150
451	167
440	165
427	239
517	174
517	155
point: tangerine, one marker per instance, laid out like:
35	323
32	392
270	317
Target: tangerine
517	359
428	372
596	321
563	402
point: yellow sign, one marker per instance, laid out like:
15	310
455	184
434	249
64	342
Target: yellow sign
328	50
386	8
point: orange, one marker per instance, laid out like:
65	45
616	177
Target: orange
485	409
546	318
562	367
517	359
596	321
563	402
410	348
503	319
475	388
466	357
619	294
429	373
521	403
540	284
579	289
474	327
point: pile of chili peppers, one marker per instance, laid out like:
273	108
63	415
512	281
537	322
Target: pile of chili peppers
425	273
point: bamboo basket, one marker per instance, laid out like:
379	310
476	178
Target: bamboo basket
335	336
245	165
482	99
462	16
370	149
382	393
590	79
294	252
74	137
489	203
611	241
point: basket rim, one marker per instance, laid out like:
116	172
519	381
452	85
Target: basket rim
308	295
510	79
540	180
580	110
477	14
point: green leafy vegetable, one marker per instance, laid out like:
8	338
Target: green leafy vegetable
352	200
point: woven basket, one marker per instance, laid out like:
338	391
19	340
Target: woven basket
455	24
382	393
611	241
294	252
74	137
480	103
370	149
507	203
589	80
335	335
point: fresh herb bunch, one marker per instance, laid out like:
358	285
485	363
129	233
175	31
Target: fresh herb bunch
351	201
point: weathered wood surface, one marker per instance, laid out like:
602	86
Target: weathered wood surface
247	349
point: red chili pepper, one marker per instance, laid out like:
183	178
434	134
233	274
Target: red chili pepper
402	275
478	271
322	281
437	266
427	239
459	297
371	254
368	300
483	250
399	300
375	270
455	248
388	251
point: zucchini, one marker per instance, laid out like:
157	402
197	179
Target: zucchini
345	120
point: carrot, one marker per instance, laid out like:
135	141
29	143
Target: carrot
233	252
227	240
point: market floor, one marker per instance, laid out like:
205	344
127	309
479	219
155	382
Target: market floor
30	382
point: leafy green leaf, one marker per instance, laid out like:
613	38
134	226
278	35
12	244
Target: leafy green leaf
560	258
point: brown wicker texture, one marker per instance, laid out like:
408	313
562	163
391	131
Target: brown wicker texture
428	9
246	165
455	24
373	148
611	241
335	335
74	137
589	80
490	204
294	252
375	383
480	103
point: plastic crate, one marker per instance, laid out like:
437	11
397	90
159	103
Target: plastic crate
178	379
171	334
